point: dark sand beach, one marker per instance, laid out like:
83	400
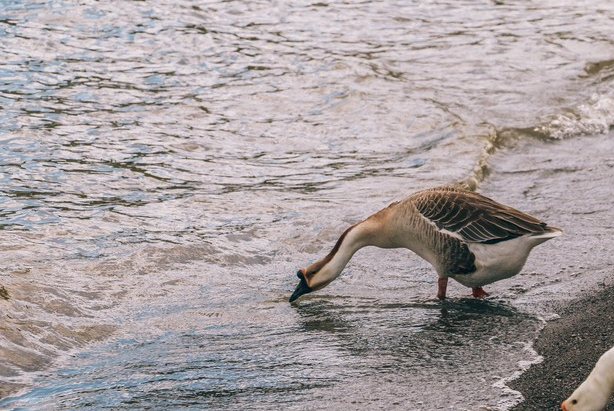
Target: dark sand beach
570	346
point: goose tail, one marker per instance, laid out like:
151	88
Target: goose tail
549	232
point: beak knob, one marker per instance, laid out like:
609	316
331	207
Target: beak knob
301	288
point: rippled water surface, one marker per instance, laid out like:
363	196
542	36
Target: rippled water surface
166	167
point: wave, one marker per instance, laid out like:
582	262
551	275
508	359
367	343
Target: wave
594	117
489	142
591	118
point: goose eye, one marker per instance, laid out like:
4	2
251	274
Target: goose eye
309	274
574	401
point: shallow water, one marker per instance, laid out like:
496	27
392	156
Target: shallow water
166	167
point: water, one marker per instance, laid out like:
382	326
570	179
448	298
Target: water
167	166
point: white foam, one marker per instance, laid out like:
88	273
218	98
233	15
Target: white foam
510	397
595	117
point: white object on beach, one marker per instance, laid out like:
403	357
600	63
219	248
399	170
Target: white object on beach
462	234
594	393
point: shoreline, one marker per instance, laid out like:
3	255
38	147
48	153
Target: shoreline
570	347
576	279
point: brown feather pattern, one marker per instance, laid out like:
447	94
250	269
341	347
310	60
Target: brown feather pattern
477	219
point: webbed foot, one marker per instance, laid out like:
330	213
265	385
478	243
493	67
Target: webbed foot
478	292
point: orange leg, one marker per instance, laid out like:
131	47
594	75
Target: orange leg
478	292
442	284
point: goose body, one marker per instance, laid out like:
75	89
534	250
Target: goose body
462	234
593	394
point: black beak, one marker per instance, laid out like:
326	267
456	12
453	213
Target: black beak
301	288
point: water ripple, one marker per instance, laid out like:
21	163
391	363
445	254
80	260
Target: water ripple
156	152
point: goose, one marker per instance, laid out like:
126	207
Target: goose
593	394
462	234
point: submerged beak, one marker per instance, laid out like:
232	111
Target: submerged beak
301	288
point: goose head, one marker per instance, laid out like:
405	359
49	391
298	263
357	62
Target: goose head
594	393
314	277
319	274
589	397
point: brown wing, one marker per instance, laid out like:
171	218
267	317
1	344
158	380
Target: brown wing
475	218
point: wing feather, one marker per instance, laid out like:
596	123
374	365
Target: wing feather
473	217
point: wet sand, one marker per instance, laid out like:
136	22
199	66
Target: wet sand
570	346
